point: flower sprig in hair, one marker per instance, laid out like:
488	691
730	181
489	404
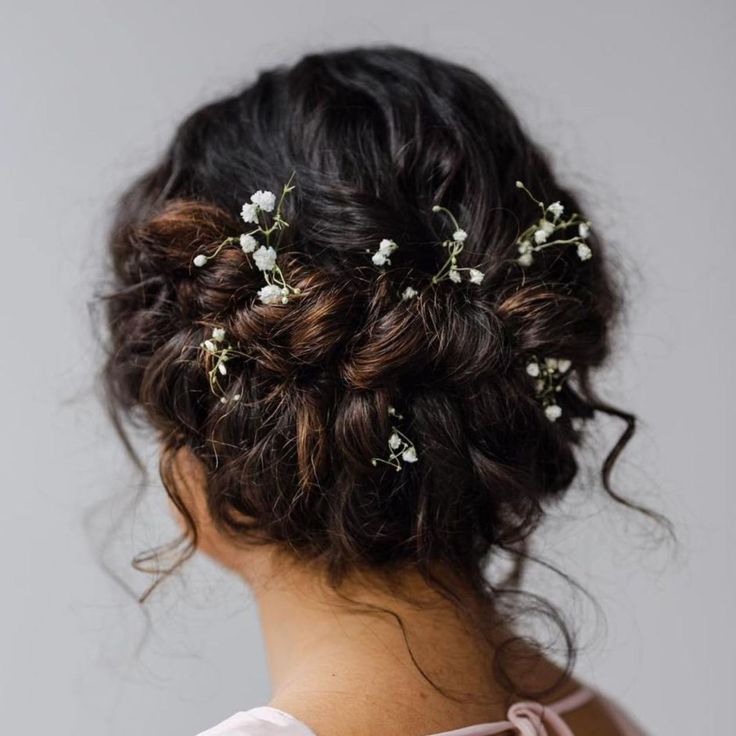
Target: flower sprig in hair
399	445
449	269
218	351
540	234
549	375
270	228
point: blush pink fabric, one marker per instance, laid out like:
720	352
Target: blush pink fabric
525	718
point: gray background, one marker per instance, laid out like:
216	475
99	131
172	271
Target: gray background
636	101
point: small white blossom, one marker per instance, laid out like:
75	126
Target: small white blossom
387	247
547	226
218	333
525	259
551	363
200	260
265	258
540	236
563	365
249	213
265	200
221	368
394	441
270	294
209	346
553	412
409	455
454	275
459	236
556	209
476	276
584	251
583	229
409	293
525	247
539	385
532	369
248	243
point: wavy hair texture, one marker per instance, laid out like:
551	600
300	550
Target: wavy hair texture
375	137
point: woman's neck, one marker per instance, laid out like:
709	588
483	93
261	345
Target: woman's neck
340	661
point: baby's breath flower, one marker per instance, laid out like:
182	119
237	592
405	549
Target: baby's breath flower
542	232
409	293
556	209
270	294
264	200
548	375
385	248
476	276
399	445
265	258
218	333
248	243
449	269
249	213
265	254
525	259
584	251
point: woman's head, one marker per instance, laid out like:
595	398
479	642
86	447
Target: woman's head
374	137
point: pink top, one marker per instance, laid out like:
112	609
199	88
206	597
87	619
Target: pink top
525	718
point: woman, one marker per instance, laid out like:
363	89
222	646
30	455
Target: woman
362	315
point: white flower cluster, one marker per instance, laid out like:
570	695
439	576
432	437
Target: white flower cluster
399	445
539	235
219	351
549	375
450	269
385	248
262	203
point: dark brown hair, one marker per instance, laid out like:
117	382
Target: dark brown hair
375	137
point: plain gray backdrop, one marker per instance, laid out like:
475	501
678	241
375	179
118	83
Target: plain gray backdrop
634	100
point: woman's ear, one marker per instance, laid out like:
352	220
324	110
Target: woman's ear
188	474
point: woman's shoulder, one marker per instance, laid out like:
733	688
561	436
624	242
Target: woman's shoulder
263	720
585	711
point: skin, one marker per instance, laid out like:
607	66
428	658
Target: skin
341	671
